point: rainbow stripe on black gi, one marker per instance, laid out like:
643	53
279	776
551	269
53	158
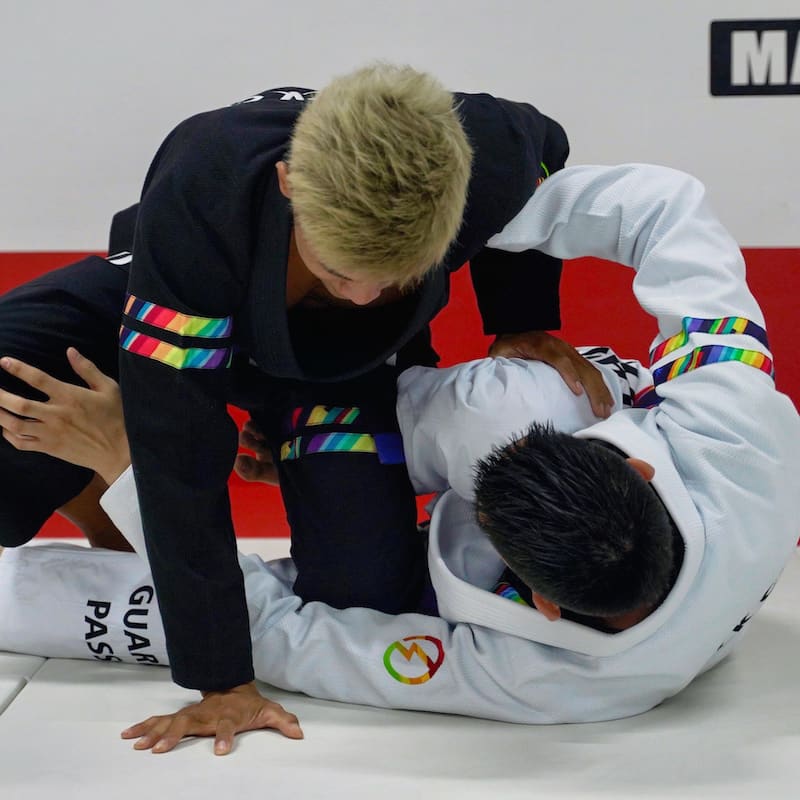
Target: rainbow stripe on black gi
154	345
387	446
324	415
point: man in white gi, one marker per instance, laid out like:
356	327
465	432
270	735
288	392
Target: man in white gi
706	447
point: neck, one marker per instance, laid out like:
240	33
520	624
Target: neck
622	622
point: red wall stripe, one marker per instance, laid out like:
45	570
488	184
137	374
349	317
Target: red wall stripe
598	307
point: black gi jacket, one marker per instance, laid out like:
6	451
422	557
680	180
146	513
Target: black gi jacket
211	241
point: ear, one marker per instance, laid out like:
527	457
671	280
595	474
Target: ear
283	179
550	610
647	471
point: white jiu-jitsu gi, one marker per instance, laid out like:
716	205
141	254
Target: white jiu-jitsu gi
725	446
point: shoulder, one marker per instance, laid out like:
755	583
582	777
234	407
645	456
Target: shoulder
484	114
249	134
508	140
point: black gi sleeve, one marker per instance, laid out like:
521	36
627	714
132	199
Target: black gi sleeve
516	292
515	149
187	278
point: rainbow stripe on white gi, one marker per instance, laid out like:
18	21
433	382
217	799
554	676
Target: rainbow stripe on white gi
721	326
713	354
707	354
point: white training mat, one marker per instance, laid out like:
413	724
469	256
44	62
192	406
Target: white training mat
15	671
10	687
734	733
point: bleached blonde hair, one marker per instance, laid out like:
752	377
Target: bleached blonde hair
378	169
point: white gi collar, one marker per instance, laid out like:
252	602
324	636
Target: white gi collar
463	564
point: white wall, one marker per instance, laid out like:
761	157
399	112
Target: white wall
90	87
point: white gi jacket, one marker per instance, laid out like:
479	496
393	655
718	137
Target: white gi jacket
725	446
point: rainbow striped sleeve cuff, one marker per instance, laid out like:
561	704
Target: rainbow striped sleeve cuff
707	354
154	344
182	324
717	327
700	357
178	357
712	354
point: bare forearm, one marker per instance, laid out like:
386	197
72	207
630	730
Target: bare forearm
85	512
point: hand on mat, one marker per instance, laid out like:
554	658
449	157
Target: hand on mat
77	424
219	714
578	373
258	468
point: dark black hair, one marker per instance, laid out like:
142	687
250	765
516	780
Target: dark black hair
576	522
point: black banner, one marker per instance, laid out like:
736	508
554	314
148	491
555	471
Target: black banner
755	57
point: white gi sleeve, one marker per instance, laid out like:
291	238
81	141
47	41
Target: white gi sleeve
119	501
654	219
413	661
65	601
72	602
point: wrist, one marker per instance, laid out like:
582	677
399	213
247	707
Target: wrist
115	466
242	687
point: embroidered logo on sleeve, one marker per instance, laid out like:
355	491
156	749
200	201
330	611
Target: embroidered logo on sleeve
152	344
414	663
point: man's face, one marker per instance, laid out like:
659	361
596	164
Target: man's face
339	281
342	283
